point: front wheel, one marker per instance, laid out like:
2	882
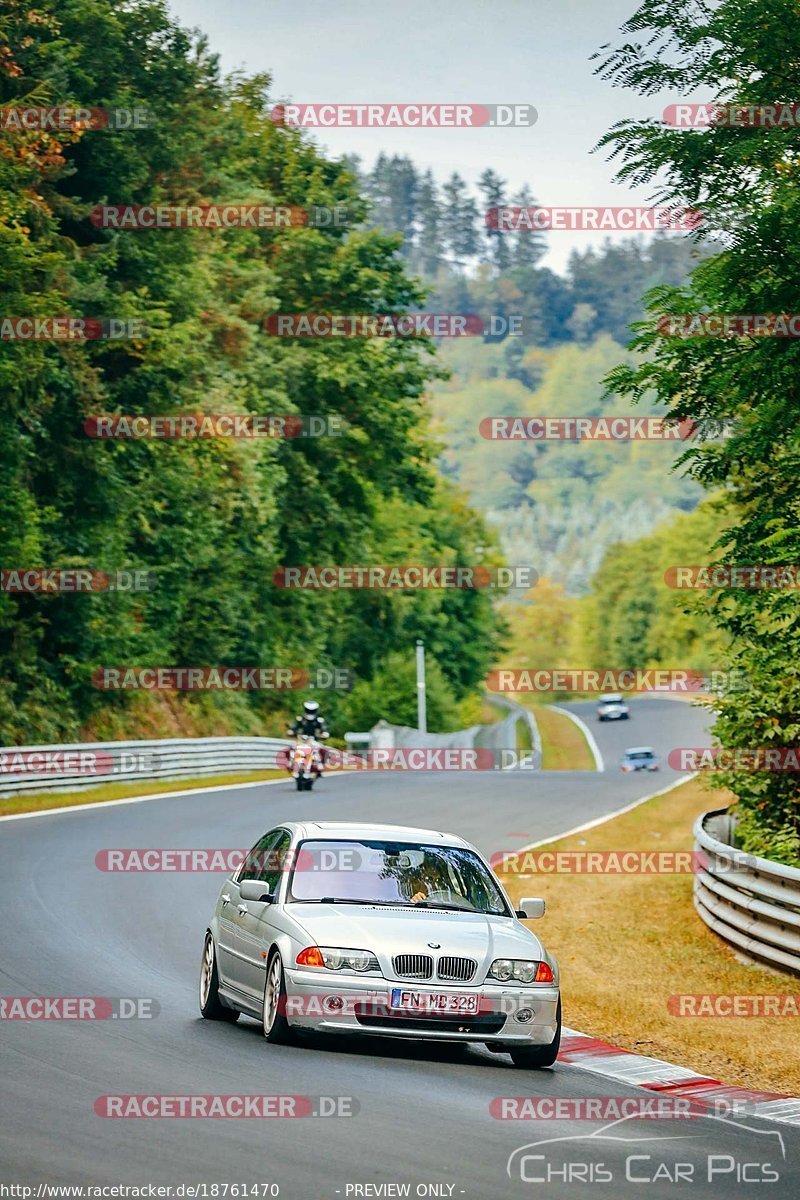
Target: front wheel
211	1007
531	1057
298	782
276	1027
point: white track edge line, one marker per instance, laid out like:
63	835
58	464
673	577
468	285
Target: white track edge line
599	764
609	816
100	804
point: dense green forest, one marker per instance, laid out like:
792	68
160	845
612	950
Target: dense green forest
555	506
212	519
744	178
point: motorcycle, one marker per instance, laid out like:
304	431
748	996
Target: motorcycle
305	763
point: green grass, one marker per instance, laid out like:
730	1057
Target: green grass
39	801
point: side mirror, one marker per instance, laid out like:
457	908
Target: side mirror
254	889
530	908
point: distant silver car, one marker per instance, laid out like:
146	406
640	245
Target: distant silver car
640	758
379	929
612	708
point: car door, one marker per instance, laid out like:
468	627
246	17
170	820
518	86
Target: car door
255	927
230	910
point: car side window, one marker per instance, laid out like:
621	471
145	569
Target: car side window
258	857
275	863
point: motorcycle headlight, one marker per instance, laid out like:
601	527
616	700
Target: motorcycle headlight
521	970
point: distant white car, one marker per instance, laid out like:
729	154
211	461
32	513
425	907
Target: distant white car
612	708
379	929
640	758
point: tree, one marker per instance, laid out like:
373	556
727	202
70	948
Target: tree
393	187
460	219
496	249
744	180
429	249
211	519
392	696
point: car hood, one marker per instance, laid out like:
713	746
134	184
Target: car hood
388	931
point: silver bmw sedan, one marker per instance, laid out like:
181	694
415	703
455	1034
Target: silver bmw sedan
331	927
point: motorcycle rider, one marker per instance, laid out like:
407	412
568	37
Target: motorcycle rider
311	724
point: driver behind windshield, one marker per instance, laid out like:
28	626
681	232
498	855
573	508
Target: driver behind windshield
418	881
388	873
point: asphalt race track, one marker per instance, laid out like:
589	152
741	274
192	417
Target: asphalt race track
70	929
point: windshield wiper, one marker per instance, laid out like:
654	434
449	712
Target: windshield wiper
441	904
347	900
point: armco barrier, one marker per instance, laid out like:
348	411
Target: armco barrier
88	763
518	713
501	736
751	902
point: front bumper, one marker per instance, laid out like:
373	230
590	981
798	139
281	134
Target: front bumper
363	1007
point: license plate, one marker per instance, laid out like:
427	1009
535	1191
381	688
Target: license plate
426	1002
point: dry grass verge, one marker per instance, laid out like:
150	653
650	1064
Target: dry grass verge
626	943
564	747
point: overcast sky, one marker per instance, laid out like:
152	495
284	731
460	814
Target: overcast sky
474	51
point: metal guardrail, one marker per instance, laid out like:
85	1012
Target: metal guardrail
520	713
86	764
753	903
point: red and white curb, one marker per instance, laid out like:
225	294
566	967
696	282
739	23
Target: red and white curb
592	1054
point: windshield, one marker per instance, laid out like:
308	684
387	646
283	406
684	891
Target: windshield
639	754
402	874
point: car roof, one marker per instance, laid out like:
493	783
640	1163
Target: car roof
609	697
354	830
640	750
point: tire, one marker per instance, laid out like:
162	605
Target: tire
299	783
211	1007
309	783
533	1057
273	1021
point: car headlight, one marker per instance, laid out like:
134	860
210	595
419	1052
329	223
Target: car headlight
520	970
335	958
